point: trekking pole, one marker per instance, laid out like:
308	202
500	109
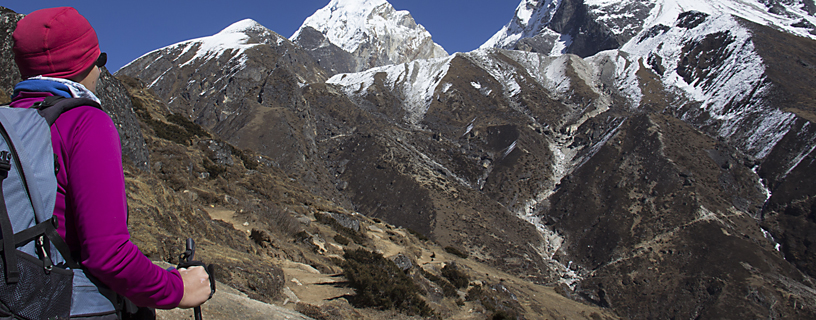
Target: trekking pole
189	256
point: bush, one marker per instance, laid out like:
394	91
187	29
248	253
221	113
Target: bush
189	126
341	240
326	219
456	252
213	168
379	283
179	130
448	289
310	310
503	315
419	236
496	300
456	277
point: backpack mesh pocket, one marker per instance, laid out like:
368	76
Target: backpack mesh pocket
38	295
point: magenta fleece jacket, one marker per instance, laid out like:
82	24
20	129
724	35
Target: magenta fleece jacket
92	207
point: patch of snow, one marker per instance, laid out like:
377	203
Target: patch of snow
561	45
416	82
770	238
469	127
807	133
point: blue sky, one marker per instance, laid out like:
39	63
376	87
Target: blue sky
129	29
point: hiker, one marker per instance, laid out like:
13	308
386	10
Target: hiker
57	53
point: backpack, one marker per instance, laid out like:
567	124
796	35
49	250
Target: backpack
35	270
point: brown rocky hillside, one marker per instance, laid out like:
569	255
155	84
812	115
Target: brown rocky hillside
277	243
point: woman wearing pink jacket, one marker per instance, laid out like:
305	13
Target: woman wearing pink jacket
57	52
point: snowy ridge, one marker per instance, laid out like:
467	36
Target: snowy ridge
233	39
416	81
626	18
354	24
666	11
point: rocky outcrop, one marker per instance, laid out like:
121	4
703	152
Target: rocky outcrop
571	26
116	102
8	22
328	55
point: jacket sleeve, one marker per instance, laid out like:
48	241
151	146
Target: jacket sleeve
96	190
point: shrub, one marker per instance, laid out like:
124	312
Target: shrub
379	283
341	239
456	252
496	300
503	315
326	219
189	126
419	236
310	310
447	288
455	276
213	168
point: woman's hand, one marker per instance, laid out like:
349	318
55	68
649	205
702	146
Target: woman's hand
196	287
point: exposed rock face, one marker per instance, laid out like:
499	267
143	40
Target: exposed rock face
571	26
372	32
328	55
116	102
8	22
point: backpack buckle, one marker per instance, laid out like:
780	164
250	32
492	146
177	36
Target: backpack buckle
5	162
47	264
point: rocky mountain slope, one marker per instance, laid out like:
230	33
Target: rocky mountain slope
586	27
660	168
284	248
351	35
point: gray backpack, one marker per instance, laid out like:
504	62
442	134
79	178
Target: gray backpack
35	270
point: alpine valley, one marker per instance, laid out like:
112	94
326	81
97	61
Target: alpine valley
596	159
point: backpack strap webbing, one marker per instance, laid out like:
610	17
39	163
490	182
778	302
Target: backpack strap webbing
52	107
9	259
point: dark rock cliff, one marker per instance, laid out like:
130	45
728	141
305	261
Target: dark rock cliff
329	56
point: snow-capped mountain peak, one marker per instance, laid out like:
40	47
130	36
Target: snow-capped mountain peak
372	30
345	22
530	18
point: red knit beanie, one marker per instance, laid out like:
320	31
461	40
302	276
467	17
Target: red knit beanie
55	42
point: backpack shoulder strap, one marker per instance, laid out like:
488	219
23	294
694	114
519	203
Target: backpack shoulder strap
52	107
